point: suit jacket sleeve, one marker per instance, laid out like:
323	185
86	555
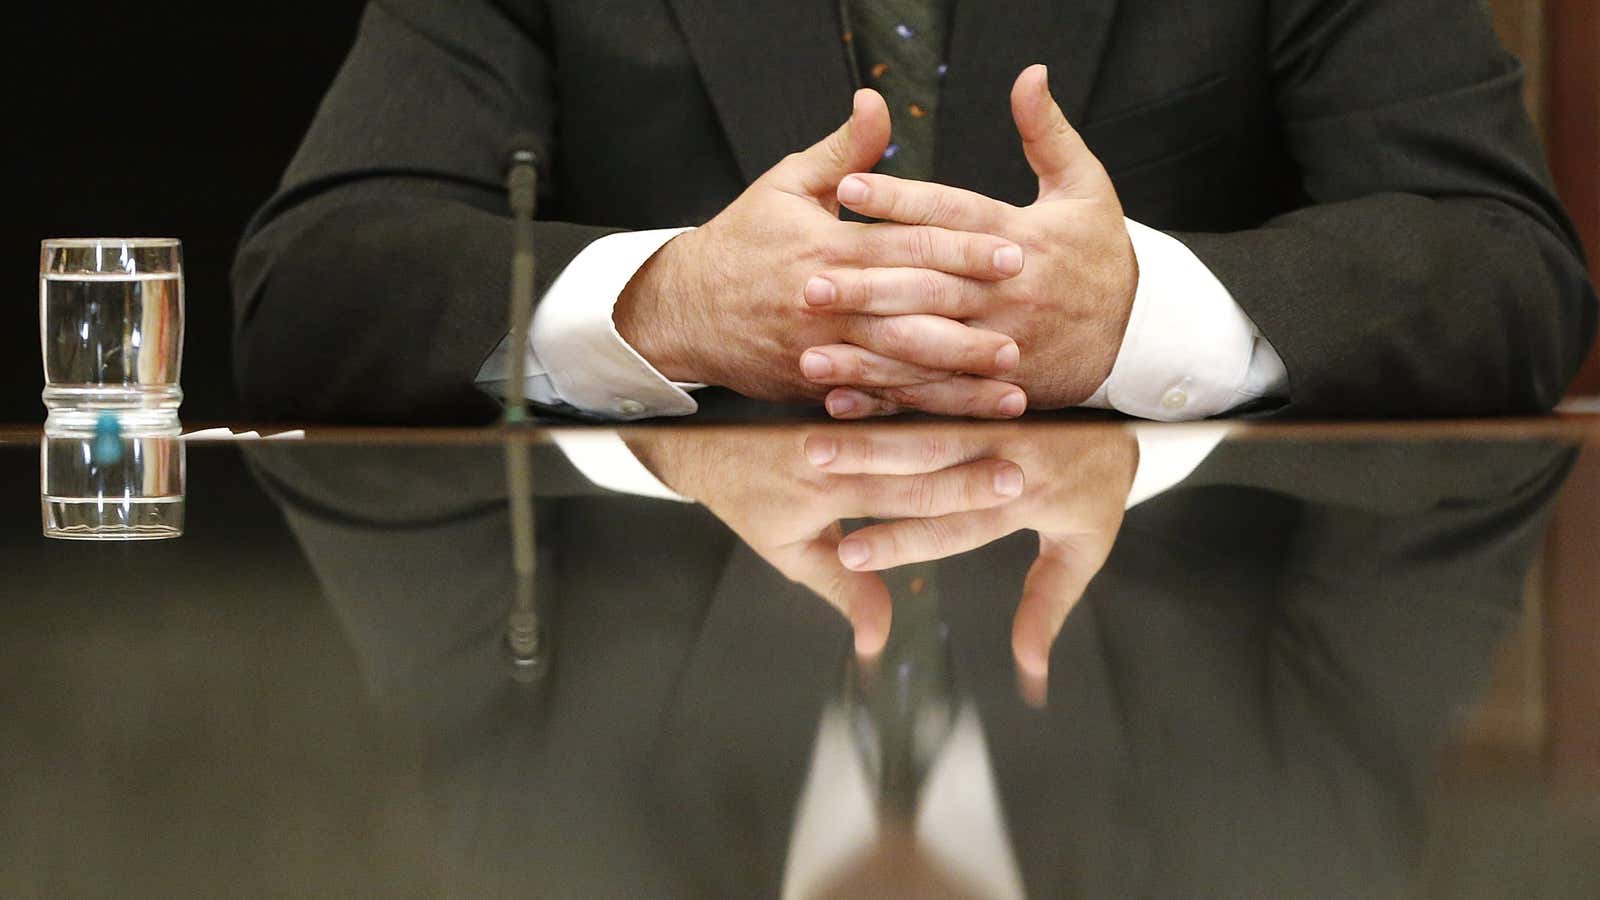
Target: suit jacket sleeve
373	285
1432	270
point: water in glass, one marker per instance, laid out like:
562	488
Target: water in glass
111	326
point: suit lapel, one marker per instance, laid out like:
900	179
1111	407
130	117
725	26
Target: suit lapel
777	72
990	44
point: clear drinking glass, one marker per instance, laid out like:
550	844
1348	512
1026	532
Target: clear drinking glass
132	493
111	331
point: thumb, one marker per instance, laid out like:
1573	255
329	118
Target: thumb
1055	151
1054	585
861	597
856	146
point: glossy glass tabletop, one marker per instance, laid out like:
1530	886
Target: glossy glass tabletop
1051	659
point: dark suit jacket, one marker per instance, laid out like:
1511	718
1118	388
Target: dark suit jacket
1360	175
1246	702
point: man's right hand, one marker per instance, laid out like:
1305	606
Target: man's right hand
723	304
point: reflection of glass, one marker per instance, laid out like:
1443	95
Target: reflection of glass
134	495
111	330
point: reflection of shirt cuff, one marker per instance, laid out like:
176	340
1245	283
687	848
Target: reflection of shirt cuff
1189	351
1170	453
600	455
575	355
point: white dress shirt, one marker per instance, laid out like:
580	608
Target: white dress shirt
959	824
1189	351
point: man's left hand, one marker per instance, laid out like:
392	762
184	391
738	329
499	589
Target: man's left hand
1067	310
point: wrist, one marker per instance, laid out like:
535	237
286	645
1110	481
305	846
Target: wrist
660	456
650	313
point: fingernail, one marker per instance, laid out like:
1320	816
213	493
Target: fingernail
854	554
1007	358
1008	259
1013	404
820	291
841	404
853	190
821	451
815	365
1008	481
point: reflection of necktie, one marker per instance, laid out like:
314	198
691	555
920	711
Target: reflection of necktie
897	47
903	705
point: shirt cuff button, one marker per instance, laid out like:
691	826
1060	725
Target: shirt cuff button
630	407
1176	398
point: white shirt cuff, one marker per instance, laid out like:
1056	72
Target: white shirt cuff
1189	351
575	355
1170	453
600	455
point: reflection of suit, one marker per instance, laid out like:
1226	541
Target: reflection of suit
1387	225
1244	703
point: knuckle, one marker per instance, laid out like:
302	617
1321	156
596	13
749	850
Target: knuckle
859	368
979	484
933	289
921	496
903	397
892	334
832	589
922	246
939	535
829	251
867	290
943	207
980	252
979	403
859	450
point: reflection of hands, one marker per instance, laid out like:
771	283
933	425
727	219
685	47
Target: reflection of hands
1077	485
761	485
1067	310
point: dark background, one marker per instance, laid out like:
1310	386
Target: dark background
165	119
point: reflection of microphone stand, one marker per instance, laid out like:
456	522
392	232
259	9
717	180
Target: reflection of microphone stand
524	637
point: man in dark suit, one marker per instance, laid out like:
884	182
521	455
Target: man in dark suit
1247	701
1328	207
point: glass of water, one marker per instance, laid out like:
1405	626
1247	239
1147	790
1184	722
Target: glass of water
132	490
111	330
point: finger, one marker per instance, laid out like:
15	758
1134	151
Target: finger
856	146
849	364
980	484
894	452
849	403
923	203
965	253
934	342
960	395
898	291
1054	585
1055	150
861	597
914	540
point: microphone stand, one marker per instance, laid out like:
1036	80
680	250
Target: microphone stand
524	636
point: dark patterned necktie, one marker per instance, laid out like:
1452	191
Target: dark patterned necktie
903	705
898	48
